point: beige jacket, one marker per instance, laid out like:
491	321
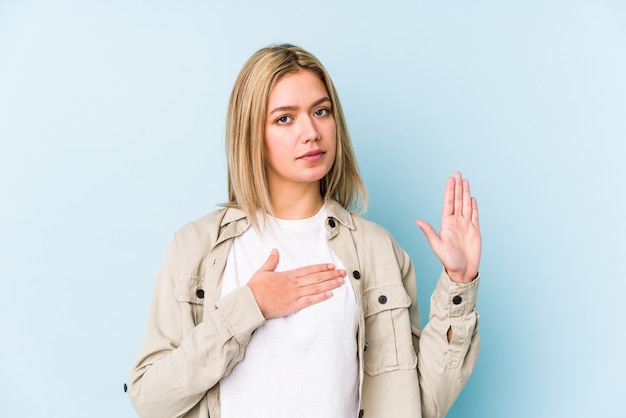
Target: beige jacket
194	337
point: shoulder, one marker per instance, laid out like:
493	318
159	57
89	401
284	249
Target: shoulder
206	230
377	244
211	227
202	226
369	228
356	223
369	237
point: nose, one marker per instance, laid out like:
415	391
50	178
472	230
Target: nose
308	130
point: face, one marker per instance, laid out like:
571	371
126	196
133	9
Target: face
300	133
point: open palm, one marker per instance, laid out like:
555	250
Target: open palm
458	243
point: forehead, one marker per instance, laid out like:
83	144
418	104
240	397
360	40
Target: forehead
298	87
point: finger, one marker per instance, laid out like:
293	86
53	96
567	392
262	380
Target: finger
475	219
312	269
272	261
320	287
467	200
429	232
448	198
458	193
319	277
306	301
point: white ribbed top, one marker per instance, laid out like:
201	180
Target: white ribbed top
304	365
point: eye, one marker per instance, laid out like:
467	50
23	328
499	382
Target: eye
283	120
322	112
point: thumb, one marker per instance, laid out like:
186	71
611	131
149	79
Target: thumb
429	232
272	261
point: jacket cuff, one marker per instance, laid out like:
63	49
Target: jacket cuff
241	312
458	298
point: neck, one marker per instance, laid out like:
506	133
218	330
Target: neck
297	203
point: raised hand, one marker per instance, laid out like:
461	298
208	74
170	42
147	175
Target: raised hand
458	243
284	293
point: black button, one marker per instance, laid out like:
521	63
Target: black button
331	222
125	388
200	293
361	413
356	274
365	347
382	299
457	300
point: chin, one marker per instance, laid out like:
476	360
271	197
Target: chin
318	176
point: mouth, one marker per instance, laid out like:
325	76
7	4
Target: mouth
312	154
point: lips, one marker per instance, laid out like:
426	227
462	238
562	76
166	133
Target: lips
312	155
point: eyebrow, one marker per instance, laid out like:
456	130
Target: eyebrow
291	108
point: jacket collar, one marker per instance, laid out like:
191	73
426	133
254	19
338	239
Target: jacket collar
232	215
235	221
338	212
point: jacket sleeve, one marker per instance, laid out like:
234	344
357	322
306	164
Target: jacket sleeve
444	367
180	361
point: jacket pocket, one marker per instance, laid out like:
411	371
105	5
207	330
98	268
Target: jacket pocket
388	337
190	294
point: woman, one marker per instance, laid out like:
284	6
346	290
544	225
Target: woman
286	304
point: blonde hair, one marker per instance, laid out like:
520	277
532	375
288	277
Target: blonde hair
245	130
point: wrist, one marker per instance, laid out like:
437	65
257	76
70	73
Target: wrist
462	277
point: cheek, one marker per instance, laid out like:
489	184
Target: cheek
275	153
270	144
333	134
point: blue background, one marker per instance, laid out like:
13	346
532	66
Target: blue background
112	117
